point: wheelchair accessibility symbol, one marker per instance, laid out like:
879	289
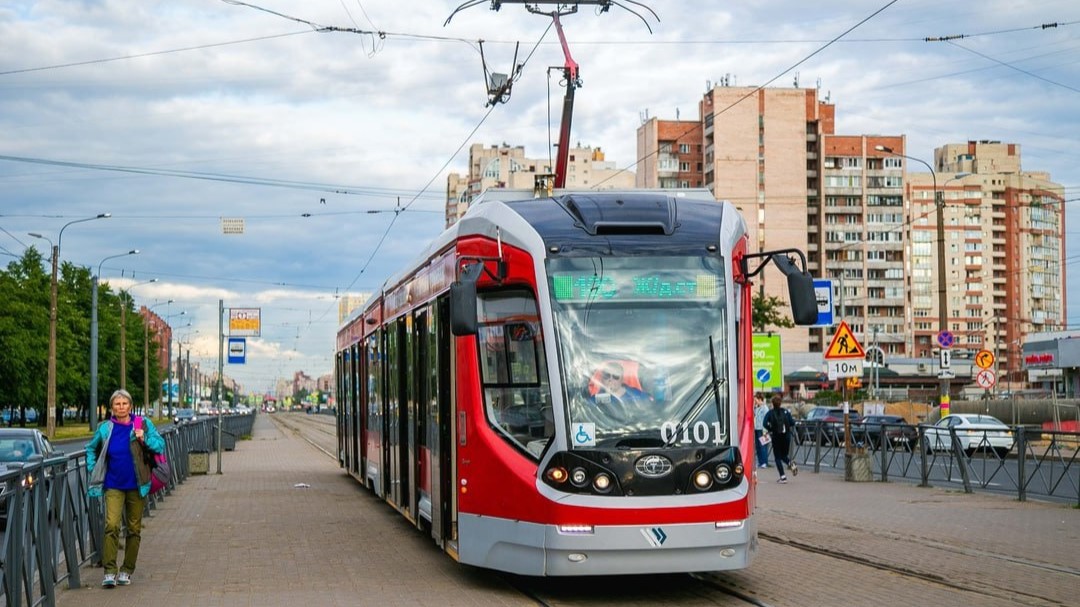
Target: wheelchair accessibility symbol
585	435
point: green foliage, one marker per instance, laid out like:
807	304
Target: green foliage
768	312
24	338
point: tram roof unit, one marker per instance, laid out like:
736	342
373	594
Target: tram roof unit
578	218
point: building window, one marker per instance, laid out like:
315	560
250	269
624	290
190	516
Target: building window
684	148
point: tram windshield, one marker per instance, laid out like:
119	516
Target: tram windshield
644	350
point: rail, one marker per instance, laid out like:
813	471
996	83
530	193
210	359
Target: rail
1037	463
52	528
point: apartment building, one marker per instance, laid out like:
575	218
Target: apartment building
856	238
670	154
1004	252
506	166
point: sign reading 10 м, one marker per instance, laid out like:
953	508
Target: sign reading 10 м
767	367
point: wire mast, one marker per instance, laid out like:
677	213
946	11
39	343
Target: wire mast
499	91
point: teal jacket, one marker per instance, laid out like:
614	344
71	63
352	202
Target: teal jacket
96	469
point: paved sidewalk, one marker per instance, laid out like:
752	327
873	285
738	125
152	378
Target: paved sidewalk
1027	550
250	536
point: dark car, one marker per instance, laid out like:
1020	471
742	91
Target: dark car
17	447
831	422
874	430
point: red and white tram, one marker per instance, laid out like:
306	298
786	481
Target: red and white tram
561	385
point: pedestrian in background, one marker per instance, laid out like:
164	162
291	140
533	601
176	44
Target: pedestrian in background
119	473
781	426
761	441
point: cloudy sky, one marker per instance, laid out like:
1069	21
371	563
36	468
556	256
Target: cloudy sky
333	146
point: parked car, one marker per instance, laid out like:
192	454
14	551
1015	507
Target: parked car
17	446
874	430
831	420
976	432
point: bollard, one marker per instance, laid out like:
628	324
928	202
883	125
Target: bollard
857	466
198	462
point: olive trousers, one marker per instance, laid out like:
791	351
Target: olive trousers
126	507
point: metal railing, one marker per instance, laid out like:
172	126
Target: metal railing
52	527
1038	463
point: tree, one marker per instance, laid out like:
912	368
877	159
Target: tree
767	312
24	333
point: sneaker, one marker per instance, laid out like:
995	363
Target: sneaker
763	466
109	581
783	480
124	578
794	472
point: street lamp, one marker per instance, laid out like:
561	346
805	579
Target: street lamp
168	359
146	355
184	369
50	415
94	338
123	331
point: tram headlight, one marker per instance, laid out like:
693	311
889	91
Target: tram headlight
722	473
579	477
602	483
702	480
557	475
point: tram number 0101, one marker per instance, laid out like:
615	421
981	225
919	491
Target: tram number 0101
697	433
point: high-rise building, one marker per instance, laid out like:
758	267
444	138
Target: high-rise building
505	166
762	151
857	239
1004	252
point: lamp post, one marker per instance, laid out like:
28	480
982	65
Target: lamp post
93	411
168	359
50	415
123	331
146	355
184	370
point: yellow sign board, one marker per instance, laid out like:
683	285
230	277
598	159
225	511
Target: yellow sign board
844	344
245	322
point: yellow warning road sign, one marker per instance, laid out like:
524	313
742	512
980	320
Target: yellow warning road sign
844	344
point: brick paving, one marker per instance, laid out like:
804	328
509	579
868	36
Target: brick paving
250	536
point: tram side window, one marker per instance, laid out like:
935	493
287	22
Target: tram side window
517	396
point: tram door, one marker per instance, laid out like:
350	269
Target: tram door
392	424
356	409
430	489
439	419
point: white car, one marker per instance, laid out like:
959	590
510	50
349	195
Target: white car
976	432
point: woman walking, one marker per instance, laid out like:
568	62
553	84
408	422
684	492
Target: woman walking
119	472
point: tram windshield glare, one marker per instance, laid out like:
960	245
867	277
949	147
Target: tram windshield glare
644	349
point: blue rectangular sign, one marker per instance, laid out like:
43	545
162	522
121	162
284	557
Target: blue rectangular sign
237	350
823	293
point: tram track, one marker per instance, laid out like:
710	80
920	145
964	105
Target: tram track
983	588
891	567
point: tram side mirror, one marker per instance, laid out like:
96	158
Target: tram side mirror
463	301
804	310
